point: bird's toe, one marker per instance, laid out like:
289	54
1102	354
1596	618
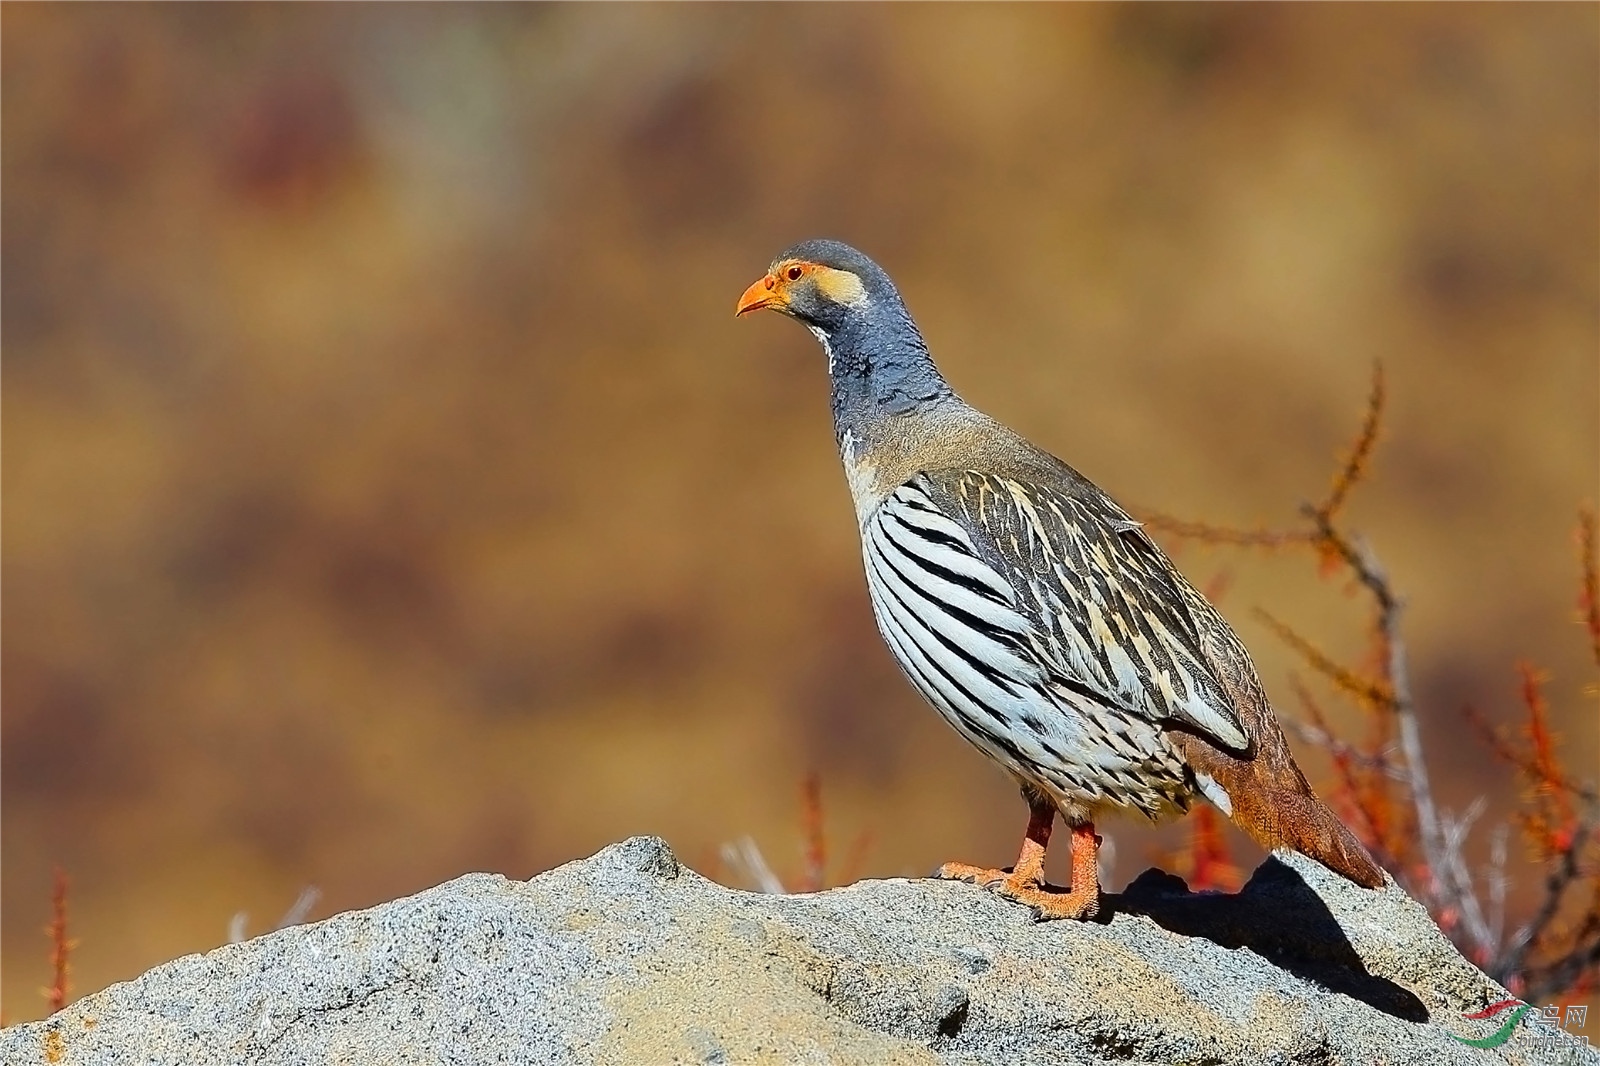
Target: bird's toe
1049	903
976	875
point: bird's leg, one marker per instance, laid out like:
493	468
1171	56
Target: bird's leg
1029	870
1085	896
1025	882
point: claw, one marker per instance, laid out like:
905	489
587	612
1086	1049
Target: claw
1024	882
993	880
1046	902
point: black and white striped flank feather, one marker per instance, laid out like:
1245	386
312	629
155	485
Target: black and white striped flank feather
1050	632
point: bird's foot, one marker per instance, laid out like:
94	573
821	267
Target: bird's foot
1047	901
977	875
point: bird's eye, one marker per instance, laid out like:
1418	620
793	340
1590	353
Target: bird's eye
793	273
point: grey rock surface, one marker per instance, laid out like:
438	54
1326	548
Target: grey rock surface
627	957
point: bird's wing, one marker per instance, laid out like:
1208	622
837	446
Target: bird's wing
1109	616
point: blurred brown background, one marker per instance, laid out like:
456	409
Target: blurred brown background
390	492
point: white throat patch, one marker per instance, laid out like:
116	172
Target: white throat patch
822	338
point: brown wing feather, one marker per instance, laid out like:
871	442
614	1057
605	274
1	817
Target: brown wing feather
1110	617
1272	800
1109	560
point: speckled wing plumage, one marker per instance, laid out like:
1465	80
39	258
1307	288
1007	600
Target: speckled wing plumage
1046	627
1109	608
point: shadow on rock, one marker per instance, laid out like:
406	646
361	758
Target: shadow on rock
1277	916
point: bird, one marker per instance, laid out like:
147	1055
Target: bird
1034	614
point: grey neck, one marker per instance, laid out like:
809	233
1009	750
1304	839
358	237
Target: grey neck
879	368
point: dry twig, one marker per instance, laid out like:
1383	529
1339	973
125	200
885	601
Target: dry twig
816	858
1209	534
60	946
1589	580
1561	817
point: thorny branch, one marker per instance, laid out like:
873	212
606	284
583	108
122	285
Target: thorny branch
60	946
1365	793
813	879
1556	881
1589	590
1562	819
1355	464
1452	889
1348	680
1209	534
1323	738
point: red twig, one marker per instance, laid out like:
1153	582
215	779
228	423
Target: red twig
60	946
1558	948
1551	823
855	858
816	840
1364	691
1209	534
1362	779
1547	772
1355	464
1589	582
1209	861
1218	586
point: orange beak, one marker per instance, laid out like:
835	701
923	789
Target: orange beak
763	293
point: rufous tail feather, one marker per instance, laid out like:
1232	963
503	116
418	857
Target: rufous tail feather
1301	821
1273	802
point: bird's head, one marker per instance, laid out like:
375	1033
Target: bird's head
826	285
876	358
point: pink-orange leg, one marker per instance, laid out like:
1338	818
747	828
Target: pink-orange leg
1025	882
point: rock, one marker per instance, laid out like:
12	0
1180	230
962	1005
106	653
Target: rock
627	957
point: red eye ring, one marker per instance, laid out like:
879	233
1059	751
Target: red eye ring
794	273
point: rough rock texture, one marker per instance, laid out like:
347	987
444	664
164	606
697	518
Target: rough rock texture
627	957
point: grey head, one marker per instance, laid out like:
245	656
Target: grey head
877	361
